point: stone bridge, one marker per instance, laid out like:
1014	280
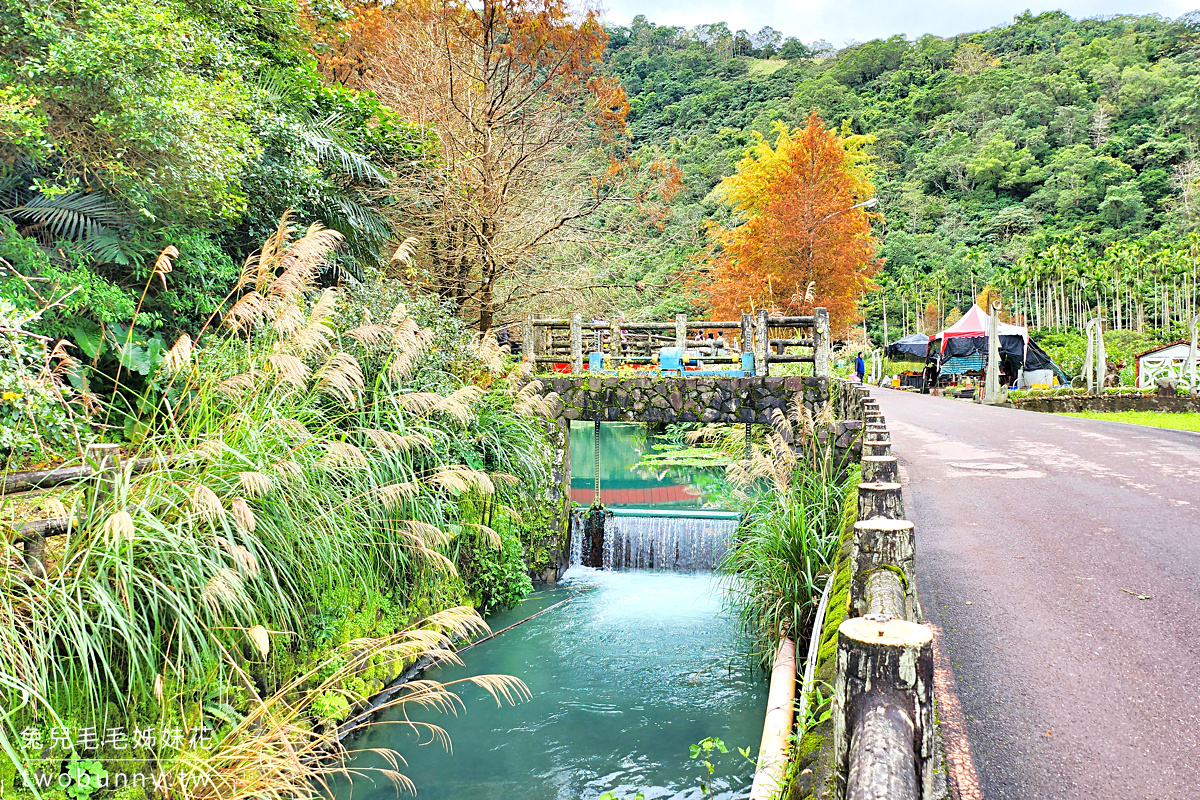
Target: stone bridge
633	394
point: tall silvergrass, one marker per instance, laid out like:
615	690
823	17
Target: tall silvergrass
787	542
290	459
275	752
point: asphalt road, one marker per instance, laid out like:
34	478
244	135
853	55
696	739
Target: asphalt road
1067	594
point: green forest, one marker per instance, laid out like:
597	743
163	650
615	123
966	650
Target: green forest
1053	158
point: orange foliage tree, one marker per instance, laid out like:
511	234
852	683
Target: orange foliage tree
526	136
801	242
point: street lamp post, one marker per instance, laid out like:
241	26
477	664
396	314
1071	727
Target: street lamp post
874	201
869	203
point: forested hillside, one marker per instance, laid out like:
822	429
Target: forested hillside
1054	157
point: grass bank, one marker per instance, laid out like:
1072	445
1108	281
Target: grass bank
1151	419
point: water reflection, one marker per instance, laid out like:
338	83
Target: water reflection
623	483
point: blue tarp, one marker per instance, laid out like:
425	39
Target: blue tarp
957	365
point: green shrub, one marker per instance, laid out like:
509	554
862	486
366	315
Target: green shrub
497	576
1068	349
33	406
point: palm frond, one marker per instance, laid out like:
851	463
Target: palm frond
75	216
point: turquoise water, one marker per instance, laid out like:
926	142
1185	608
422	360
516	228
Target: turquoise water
624	677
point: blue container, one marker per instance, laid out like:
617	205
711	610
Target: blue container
595	362
748	363
670	359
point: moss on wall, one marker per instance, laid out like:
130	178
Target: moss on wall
810	773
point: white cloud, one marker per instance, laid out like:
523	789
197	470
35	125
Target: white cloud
841	21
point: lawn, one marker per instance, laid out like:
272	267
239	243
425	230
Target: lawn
1154	419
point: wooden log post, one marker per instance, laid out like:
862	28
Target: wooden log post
821	342
576	342
747	334
762	344
105	460
681	334
877	448
615	344
882	545
858	394
883	726
33	552
880	500
528	345
880	469
875	433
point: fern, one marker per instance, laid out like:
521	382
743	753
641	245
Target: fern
75	216
327	141
365	229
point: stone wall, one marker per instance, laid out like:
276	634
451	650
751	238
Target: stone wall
665	399
1107	404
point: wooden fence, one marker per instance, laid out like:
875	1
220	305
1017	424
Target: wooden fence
563	340
102	464
883	723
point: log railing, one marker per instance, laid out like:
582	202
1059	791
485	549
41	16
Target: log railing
567	339
101	467
883	723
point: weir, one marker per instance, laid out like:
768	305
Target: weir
663	540
660	373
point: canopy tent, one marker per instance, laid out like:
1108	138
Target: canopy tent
963	347
915	345
959	338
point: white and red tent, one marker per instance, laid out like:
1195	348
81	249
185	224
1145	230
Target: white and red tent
974	324
964	345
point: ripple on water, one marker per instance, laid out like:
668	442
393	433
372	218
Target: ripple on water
637	667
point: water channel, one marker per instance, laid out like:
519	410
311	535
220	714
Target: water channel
636	667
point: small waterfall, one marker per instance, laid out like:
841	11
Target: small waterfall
658	540
578	516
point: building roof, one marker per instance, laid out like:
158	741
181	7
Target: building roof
1182	342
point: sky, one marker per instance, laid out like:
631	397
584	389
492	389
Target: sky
842	21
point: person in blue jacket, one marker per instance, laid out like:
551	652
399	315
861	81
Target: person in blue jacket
860	367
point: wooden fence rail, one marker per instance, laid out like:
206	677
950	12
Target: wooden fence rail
883	723
548	340
103	464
